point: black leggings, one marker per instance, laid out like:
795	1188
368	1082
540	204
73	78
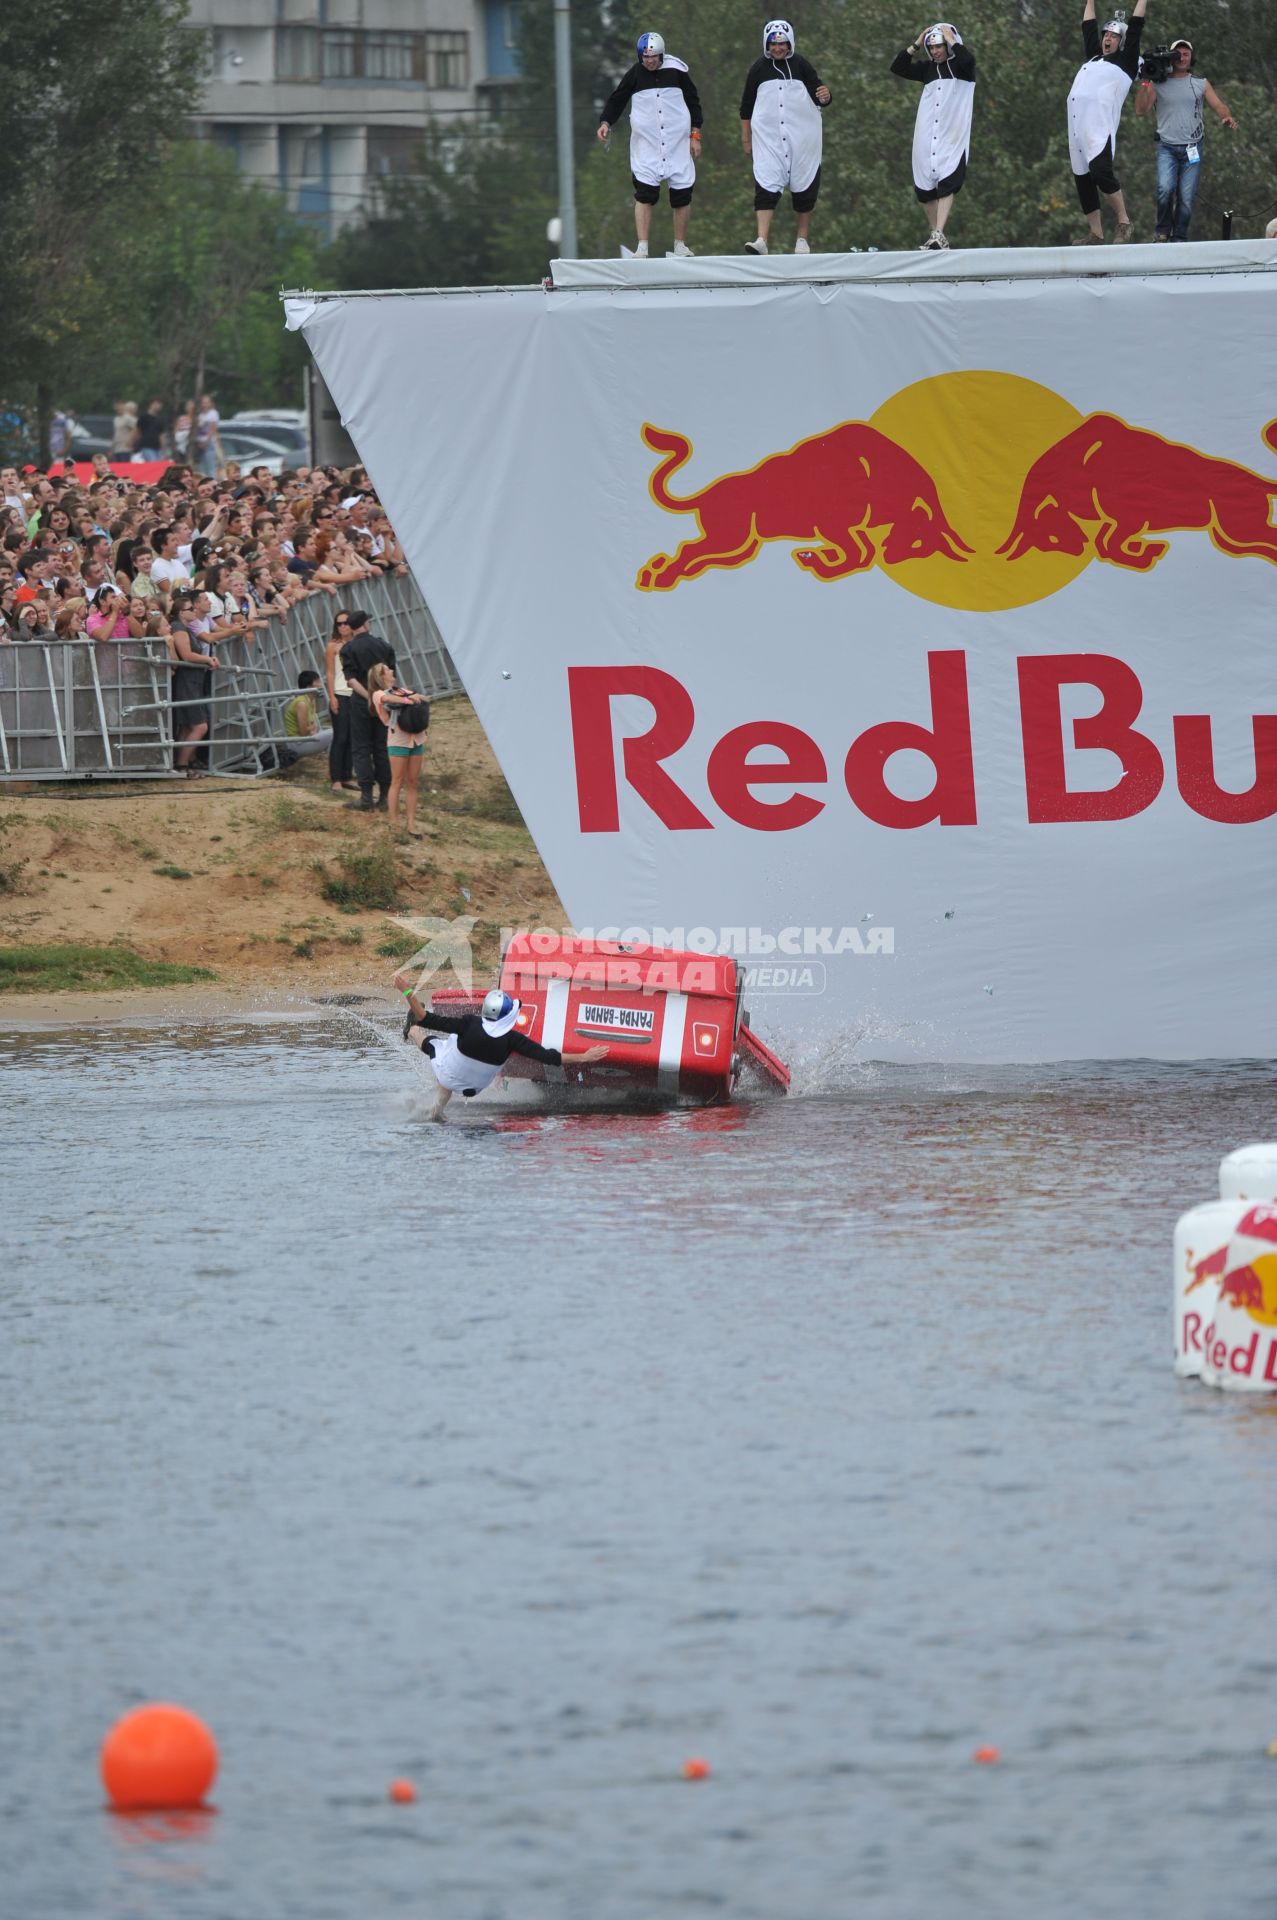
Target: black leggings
1101	178
340	761
803	201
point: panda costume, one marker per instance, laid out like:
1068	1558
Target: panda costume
780	113
665	125
942	130
1096	99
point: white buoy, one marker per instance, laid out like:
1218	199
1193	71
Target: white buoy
1250	1173
1239	1342
1201	1249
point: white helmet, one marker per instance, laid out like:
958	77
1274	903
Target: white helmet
500	1011
1117	25
779	30
651	43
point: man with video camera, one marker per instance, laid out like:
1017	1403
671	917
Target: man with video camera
1178	94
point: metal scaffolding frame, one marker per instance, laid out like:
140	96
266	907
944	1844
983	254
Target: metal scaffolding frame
103	710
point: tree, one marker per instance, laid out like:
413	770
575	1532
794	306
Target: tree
93	91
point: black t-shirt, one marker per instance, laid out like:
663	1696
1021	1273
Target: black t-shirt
476	1043
362	653
150	430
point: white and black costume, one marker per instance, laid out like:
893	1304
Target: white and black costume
786	135
942	130
1096	99
664	108
474	1050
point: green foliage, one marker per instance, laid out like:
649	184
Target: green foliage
172	873
398	944
368	879
87	968
475	211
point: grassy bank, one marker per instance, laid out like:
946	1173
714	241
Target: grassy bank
264	881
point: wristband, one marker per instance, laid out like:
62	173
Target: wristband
406	992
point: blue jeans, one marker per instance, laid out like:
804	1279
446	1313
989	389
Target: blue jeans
1178	179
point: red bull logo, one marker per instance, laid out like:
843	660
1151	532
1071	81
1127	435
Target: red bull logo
852	493
975	490
1106	486
1252	1284
1210	1267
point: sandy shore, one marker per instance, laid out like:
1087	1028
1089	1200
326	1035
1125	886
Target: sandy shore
229	876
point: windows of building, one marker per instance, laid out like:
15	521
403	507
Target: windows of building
437	60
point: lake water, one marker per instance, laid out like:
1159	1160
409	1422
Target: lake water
827	1438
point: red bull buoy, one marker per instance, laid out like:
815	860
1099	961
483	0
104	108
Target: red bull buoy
1239	1345
1250	1173
1199	1253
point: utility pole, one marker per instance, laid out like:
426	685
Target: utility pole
563	120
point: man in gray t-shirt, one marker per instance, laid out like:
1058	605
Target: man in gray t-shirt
1180	127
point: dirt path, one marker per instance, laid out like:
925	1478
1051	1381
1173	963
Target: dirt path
229	876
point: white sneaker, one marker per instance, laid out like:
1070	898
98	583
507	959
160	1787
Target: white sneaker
640	251
801	246
755	246
682	251
934	243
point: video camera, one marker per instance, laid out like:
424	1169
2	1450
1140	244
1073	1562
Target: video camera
1157	64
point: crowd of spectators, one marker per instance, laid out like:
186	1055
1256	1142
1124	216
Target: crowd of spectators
194	561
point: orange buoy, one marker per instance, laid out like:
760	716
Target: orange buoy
696	1770
402	1792
987	1756
158	1756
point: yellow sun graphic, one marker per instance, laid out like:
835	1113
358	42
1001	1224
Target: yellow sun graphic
977	434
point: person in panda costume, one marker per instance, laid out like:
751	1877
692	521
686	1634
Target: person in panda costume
780	113
942	131
475	1046
665	136
1095	107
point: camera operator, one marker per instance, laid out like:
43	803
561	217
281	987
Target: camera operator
1096	99
1178	95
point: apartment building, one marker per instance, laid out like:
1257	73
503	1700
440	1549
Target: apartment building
320	98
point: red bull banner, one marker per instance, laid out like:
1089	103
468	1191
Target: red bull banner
913	621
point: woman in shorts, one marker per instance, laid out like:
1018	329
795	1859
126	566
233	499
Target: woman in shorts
406	717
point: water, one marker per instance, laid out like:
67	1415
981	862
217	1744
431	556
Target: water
826	1438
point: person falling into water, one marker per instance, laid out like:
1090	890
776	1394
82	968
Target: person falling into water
474	1047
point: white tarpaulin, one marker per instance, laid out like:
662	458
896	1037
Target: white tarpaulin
921	618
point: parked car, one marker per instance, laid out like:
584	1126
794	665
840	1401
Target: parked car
251	451
287	434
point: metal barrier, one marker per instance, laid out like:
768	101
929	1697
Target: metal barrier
95	710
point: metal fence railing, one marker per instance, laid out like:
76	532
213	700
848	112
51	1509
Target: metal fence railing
94	710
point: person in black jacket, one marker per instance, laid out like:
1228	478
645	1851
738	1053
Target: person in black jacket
475	1046
362	651
1096	99
665	136
780	111
942	130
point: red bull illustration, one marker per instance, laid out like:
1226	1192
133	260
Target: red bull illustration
1210	1267
1071	489
1107	485
1252	1284
836	491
